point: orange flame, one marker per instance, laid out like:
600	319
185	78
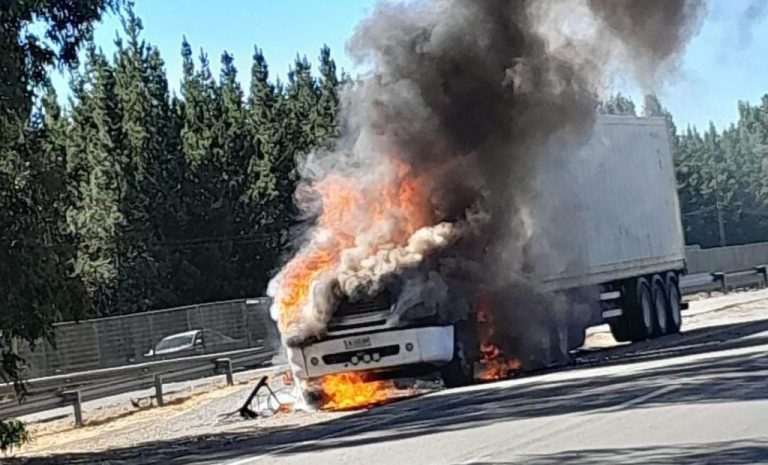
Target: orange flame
298	277
494	364
390	210
387	212
345	391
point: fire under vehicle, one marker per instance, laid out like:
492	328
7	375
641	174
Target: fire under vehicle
621	249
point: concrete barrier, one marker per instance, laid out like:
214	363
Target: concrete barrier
726	259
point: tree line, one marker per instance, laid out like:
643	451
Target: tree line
722	175
132	197
158	200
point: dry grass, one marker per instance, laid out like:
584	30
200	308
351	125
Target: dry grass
54	436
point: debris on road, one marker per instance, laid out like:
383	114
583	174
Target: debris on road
280	405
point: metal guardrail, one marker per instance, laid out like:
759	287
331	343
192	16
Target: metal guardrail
725	282
72	389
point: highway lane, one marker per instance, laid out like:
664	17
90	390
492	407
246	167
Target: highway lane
702	408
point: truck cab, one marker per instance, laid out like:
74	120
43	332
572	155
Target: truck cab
378	336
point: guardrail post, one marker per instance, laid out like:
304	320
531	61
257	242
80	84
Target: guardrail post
719	277
74	397
225	364
763	271
159	390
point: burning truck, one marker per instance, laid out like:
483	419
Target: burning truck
477	213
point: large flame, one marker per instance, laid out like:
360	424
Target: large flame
346	391
359	220
493	363
386	213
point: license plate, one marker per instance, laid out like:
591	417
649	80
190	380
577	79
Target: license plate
357	343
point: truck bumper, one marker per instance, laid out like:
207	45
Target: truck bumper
364	352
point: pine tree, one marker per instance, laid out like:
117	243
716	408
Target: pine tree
168	214
697	211
653	107
94	163
36	287
142	116
618	104
232	132
266	134
196	137
268	183
36	268
209	187
295	111
327	108
239	150
301	99
56	198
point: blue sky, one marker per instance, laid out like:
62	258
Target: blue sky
726	62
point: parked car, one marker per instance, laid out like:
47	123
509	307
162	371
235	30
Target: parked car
194	342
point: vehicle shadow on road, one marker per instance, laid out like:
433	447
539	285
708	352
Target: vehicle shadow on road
691	342
715	453
704	380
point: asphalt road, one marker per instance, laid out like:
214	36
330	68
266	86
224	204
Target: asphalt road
704	408
698	398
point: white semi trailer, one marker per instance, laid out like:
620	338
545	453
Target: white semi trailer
623	247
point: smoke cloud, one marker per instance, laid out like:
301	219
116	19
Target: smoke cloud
752	16
430	183
654	31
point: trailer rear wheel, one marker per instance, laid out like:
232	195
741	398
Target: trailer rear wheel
660	306
673	292
640	310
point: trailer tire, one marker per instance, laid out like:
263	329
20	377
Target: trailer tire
674	298
660	306
460	371
640	310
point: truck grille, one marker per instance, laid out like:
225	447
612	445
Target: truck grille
381	303
346	357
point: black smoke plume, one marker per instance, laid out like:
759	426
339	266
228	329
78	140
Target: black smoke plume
467	93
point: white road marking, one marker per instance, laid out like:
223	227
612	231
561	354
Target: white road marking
645	397
756	356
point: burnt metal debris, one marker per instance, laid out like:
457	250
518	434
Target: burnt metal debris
247	412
